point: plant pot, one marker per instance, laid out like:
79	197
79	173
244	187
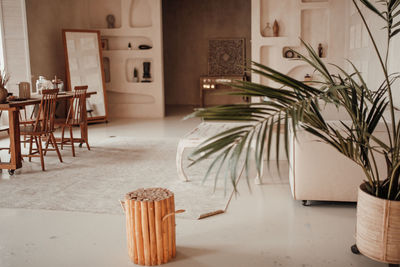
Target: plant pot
378	227
3	95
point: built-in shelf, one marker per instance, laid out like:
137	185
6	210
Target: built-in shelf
122	42
138	22
129	99
127	31
132	88
314	5
129	53
274	41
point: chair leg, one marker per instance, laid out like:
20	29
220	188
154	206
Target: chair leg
30	147
53	140
41	152
72	140
84	135
47	146
62	137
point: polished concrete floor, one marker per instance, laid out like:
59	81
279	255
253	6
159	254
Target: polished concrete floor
263	228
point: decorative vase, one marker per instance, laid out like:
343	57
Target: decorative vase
275	28
320	50
267	32
378	227
146	72
3	94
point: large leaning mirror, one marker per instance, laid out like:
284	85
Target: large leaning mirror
84	66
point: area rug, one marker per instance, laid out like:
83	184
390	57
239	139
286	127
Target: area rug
96	180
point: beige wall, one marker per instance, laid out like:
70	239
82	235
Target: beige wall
45	19
187	26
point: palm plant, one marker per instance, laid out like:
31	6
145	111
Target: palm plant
296	104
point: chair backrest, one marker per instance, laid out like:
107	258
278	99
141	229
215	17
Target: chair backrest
77	109
47	111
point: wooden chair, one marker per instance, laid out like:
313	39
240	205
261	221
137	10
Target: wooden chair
4	128
24	121
43	128
77	116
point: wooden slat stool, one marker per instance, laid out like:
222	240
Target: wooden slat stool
150	225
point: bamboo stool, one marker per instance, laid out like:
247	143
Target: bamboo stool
150	225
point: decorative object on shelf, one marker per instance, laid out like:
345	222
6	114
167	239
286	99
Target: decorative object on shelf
129	46
144	47
320	50
289	53
267	32
150	225
106	67
226	56
24	90
300	107
146	72
275	28
4	78
104	43
135	75
110	21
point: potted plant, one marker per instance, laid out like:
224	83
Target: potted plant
4	78
297	104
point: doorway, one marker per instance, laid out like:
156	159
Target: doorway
187	27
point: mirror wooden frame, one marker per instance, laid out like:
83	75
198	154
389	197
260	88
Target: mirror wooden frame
100	117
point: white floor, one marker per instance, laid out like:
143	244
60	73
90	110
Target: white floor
263	228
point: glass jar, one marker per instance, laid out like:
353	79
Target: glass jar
40	83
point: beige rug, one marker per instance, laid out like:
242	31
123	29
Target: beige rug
96	180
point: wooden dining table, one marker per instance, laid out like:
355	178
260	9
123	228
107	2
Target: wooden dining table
13	107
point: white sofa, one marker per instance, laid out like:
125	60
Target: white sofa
319	172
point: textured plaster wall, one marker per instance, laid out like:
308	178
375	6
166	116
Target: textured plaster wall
45	20
187	26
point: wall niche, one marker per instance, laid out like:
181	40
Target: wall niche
100	9
272	10
140	14
314	30
137	63
122	43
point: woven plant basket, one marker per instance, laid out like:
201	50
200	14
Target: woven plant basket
378	227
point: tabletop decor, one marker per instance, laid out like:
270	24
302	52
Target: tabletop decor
295	104
24	90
